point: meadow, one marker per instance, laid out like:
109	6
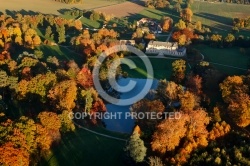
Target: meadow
84	148
50	6
218	15
162	68
229	61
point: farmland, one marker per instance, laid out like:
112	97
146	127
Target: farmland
222	59
131	9
218	14
50	6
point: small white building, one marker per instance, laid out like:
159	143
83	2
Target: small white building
165	48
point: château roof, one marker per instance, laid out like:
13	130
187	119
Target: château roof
165	44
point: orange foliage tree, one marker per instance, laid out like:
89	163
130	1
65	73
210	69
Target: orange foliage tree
52	123
63	95
144	106
235	93
14	156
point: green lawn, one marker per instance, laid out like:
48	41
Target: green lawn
156	14
60	52
162	68
85	21
225	56
85	148
90	23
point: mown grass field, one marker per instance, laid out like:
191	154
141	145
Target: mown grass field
162	68
62	53
214	14
50	6
225	56
85	148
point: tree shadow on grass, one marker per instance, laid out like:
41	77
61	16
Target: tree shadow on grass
13	13
62	11
216	18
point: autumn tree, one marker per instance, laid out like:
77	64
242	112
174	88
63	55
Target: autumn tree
186	14
78	24
182	40
157	3
18	40
189	129
31	38
166	23
168	134
43	138
155	161
73	69
177	7
240	110
84	78
179	68
235	93
66	123
229	39
38	86
53	60
188	101
232	85
180	25
168	92
144	106
36	40
149	36
3	79
194	84
24	134
52	123
88	96
92	104
219	130
216	39
137	35
48	32
14	156
63	95
61	33
94	16
198	25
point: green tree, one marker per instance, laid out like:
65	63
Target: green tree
61	33
66	123
48	32
136	148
